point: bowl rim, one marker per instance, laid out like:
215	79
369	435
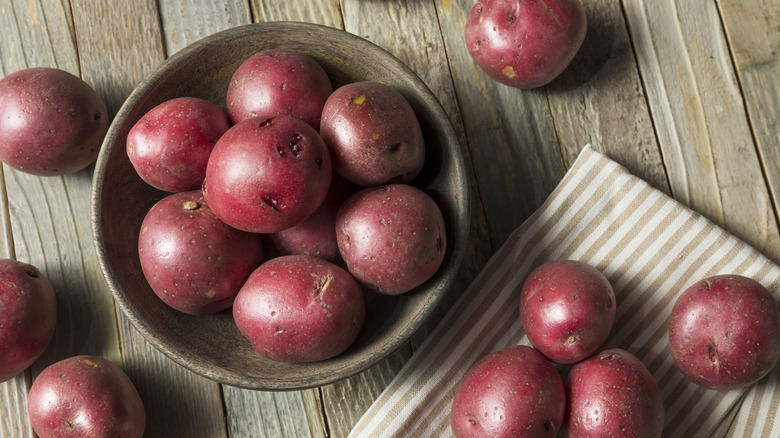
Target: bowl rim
158	74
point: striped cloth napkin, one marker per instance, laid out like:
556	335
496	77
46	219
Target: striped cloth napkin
649	246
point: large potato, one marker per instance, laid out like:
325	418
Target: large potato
300	308
192	260
392	237
567	308
170	145
28	316
51	122
612	394
278	82
373	134
514	392
85	396
724	332
267	174
525	44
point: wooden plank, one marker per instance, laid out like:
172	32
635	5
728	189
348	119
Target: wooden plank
703	130
324	12
510	133
46	220
599	100
184	21
179	403
753	31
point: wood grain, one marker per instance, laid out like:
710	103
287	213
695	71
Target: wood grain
753	32
599	100
700	118
46	220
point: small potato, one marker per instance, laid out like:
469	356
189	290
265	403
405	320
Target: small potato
316	235
170	145
612	394
514	392
724	332
391	237
373	135
300	308
51	122
567	308
85	396
278	82
28	316
267	174
192	260
525	44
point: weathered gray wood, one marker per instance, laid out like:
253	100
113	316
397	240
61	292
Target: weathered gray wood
46	220
510	132
178	401
184	21
753	31
700	118
599	100
325	12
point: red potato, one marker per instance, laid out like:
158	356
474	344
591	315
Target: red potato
170	145
567	308
28	316
278	82
300	308
316	235
51	122
392	237
514	391
267	174
525	44
192	260
373	134
612	394
85	396
724	332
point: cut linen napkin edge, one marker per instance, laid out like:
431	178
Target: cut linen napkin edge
648	245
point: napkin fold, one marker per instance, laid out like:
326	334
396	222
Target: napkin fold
649	246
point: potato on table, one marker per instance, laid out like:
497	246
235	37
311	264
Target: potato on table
513	392
28	316
51	122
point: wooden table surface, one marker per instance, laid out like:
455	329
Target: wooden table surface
684	93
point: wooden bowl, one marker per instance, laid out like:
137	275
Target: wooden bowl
212	345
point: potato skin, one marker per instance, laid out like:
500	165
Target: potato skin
316	235
300	308
267	174
51	122
567	308
278	82
170	145
373	135
525	44
28	316
391	237
612	394
724	332
514	391
192	260
85	396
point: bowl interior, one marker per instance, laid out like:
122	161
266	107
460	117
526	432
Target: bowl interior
212	345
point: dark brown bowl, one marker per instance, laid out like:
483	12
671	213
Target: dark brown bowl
212	345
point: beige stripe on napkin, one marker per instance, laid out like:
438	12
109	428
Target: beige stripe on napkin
649	246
